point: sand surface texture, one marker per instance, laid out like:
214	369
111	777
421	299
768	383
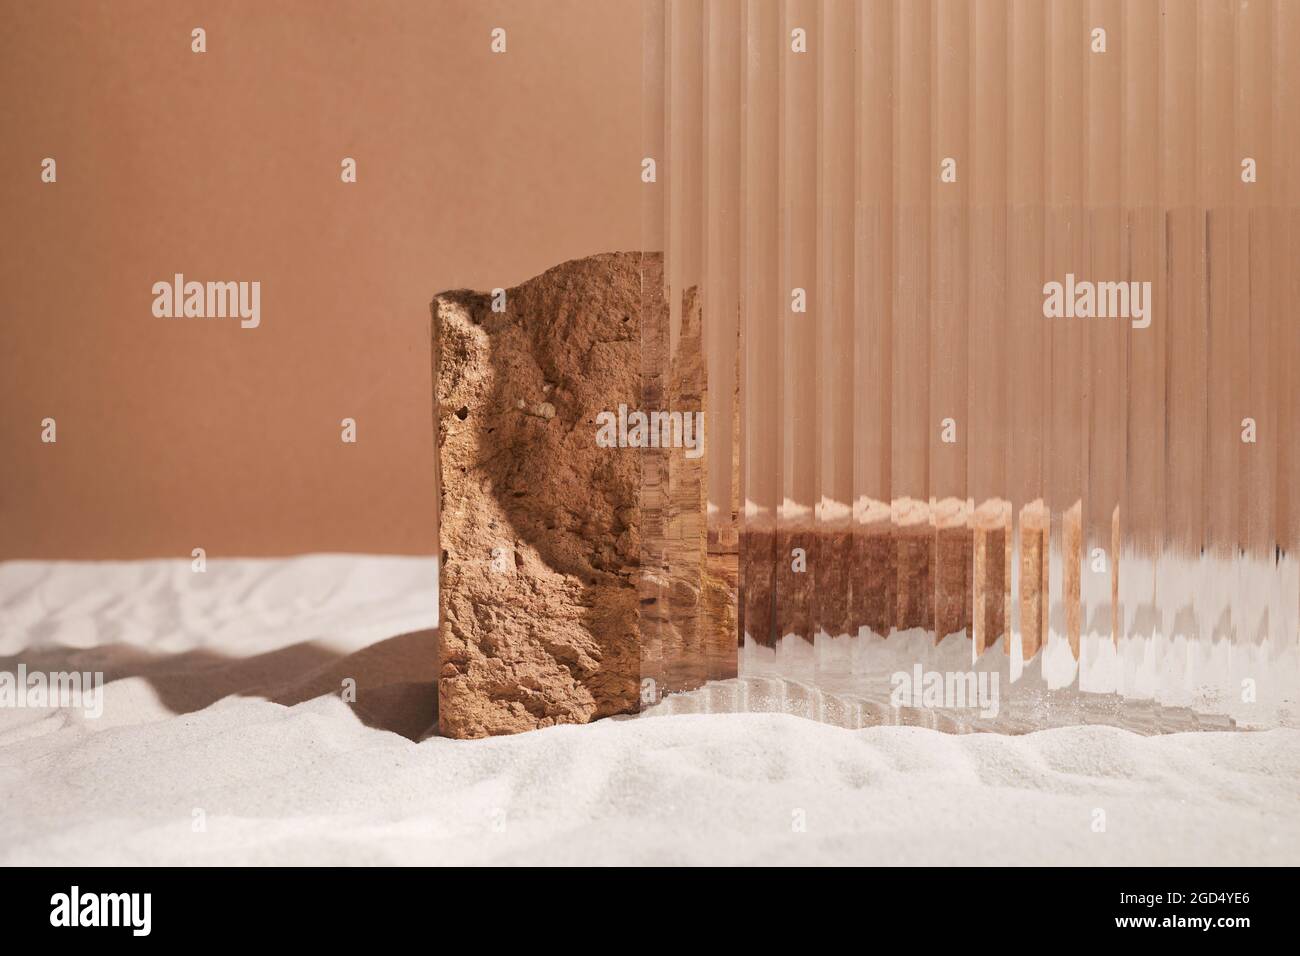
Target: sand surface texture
222	705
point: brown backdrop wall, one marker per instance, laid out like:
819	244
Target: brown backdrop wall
474	169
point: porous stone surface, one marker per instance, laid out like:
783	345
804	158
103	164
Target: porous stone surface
540	528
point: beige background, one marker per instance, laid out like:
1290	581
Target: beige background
475	170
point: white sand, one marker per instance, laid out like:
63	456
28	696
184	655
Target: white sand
197	663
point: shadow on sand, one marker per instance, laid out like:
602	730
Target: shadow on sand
395	678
